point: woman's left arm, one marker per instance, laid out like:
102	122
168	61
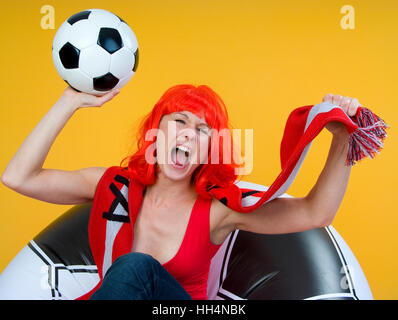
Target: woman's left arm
318	208
325	197
327	194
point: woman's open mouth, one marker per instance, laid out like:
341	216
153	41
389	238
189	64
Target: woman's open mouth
180	156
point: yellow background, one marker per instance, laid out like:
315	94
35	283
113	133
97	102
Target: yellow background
263	57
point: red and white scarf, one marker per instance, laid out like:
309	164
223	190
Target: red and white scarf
367	132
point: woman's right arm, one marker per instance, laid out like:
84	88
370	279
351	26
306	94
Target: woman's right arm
25	174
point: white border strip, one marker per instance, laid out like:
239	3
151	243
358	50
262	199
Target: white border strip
230	295
34	244
224	275
347	272
331	295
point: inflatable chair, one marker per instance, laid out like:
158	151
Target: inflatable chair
315	264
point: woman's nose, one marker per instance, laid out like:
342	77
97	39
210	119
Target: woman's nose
187	134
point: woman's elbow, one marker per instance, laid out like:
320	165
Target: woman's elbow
325	221
9	181
318	218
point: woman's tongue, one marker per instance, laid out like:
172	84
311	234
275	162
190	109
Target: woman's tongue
179	158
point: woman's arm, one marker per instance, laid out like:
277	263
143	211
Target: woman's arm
318	208
327	194
24	172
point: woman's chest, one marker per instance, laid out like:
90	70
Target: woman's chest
162	232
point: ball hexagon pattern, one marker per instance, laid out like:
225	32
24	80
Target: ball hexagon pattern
95	51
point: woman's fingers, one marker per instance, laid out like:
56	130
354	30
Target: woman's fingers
352	107
336	100
89	100
348	104
106	97
345	102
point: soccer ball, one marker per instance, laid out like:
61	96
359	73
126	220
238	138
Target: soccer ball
95	51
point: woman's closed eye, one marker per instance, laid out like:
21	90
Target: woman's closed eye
203	130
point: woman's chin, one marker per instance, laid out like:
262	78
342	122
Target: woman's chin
177	173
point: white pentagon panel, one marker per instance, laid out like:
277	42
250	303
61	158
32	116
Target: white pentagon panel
79	80
62	35
58	64
94	61
103	18
125	80
83	34
122	62
128	36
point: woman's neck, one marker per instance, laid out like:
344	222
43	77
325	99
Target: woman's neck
165	192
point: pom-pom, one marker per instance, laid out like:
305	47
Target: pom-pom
367	139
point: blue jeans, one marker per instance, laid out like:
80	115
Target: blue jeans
138	276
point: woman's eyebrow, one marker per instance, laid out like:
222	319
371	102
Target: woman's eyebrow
182	114
204	124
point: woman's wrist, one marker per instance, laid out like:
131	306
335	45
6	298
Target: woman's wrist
69	104
341	134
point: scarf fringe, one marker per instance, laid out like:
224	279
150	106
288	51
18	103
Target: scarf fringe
367	139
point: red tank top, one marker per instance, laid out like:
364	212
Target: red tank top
190	266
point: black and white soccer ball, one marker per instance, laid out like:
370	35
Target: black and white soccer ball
95	51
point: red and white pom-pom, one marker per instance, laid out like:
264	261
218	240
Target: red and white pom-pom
367	139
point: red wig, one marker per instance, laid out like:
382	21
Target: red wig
200	100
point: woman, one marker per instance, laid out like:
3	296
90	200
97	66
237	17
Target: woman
176	169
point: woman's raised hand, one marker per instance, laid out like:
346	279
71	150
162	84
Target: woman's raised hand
82	100
349	106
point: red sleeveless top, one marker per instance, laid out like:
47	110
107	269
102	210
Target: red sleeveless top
190	266
117	202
